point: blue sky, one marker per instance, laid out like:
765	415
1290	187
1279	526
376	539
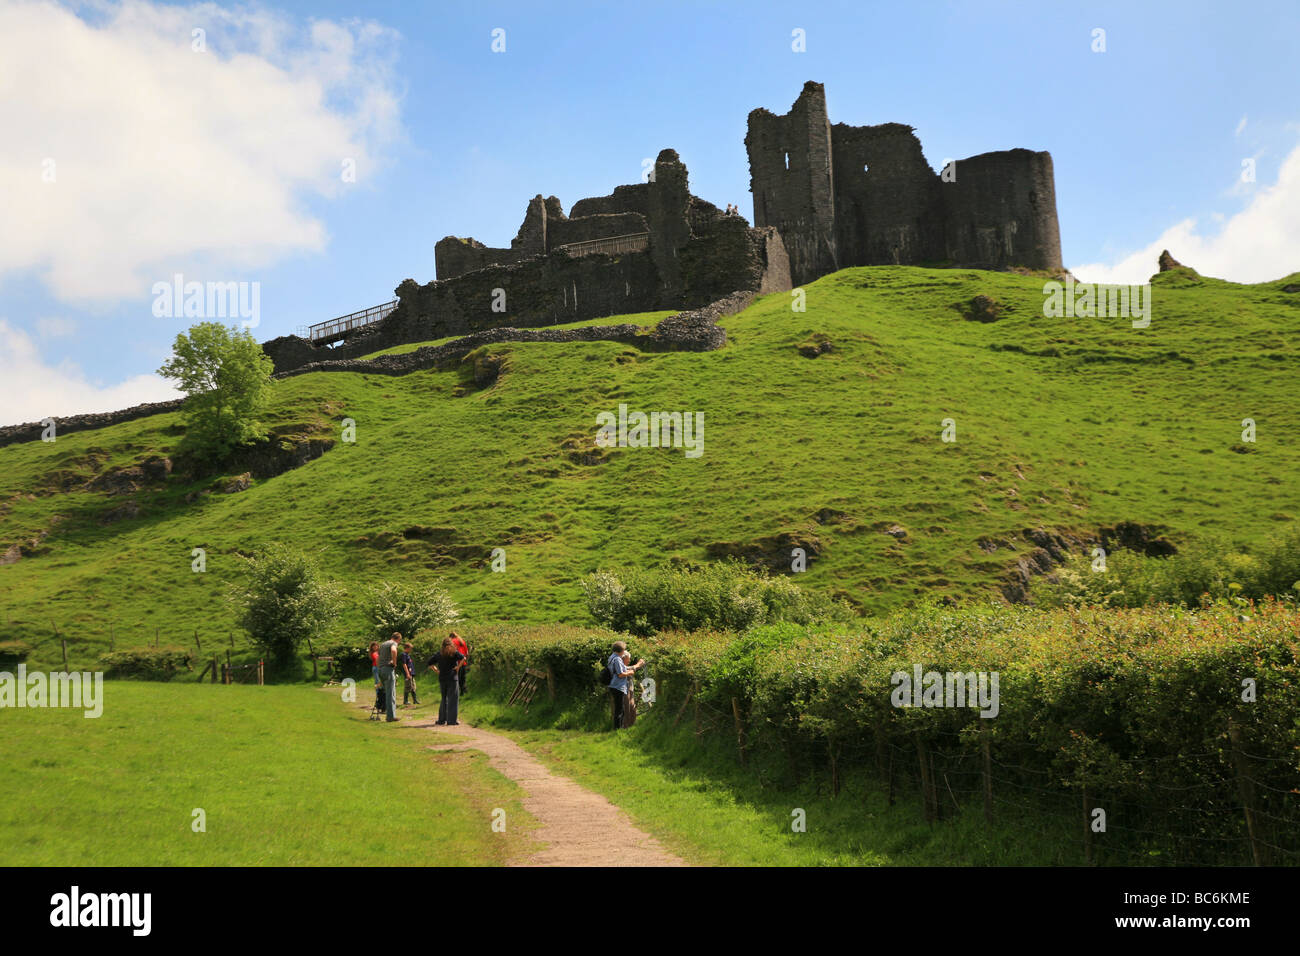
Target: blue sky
223	164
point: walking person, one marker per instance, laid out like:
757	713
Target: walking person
464	649
620	684
446	664
407	663
388	674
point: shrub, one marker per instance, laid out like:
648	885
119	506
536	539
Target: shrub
1203	572
147	663
409	608
14	652
284	601
726	595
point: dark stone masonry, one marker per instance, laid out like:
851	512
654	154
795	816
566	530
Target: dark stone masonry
845	196
825	197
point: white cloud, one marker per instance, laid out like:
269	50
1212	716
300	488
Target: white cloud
169	160
1257	244
55	327
34	390
1240	126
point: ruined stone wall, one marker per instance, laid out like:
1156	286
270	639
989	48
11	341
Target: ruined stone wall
792	181
600	226
888	207
1001	211
454	256
631	198
864	195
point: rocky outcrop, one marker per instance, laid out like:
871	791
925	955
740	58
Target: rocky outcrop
1168	262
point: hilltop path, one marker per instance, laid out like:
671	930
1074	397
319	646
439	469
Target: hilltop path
579	828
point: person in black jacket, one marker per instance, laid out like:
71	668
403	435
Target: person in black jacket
447	664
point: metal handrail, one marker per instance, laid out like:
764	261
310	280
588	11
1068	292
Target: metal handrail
346	323
631	242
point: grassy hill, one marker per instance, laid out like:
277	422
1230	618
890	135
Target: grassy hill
1065	424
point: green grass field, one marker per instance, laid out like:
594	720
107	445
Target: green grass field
1061	424
285	776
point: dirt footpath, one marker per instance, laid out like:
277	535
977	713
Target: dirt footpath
579	828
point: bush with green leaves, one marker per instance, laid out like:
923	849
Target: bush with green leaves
226	377
1203	572
1132	705
148	663
407	608
284	601
724	595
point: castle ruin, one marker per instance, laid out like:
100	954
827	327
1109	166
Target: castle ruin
825	198
845	196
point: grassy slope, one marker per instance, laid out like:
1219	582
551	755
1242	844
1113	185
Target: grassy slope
1092	423
283	776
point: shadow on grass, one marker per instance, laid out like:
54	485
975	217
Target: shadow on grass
694	793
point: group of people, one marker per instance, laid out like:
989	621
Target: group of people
732	210
394	656
622	671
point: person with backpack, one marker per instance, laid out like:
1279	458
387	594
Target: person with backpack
620	680
446	663
388	674
407	663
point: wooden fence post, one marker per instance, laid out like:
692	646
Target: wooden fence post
740	728
64	642
1246	787
198	642
227	677
833	752
259	674
988	774
689	694
1087	829
927	784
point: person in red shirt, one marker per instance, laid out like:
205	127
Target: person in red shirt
374	670
460	645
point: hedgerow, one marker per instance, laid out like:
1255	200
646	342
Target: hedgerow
1134	708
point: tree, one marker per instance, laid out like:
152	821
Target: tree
227	378
285	601
408	608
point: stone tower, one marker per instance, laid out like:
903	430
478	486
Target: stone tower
864	195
